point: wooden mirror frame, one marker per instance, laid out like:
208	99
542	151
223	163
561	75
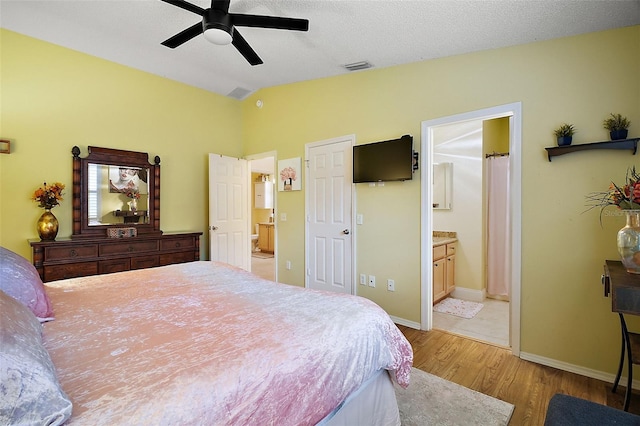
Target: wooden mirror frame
112	157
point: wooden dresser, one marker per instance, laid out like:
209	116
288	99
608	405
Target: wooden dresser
69	258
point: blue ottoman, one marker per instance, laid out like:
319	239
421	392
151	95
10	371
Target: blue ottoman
565	410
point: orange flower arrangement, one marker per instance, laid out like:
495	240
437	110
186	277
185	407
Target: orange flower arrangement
49	196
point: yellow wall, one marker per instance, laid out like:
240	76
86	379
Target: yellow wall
54	98
495	136
570	79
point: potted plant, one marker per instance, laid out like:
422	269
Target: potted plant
618	126
564	134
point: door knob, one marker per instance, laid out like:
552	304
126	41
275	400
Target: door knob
345	232
213	228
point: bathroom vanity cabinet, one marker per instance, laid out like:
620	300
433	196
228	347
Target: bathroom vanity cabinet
444	266
266	237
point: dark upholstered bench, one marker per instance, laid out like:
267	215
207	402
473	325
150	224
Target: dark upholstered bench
565	410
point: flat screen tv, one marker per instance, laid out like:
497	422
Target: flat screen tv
384	161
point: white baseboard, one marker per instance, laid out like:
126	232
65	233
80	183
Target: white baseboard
406	323
469	294
587	372
549	362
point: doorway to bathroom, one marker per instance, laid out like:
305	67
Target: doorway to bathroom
263	225
464	142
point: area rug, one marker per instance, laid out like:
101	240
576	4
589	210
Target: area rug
262	255
459	308
430	400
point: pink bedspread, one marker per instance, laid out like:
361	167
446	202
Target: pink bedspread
205	343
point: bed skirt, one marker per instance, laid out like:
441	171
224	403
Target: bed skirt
374	403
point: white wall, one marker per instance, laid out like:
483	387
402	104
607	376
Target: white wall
461	144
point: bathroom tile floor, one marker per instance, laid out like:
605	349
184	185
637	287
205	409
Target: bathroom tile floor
491	324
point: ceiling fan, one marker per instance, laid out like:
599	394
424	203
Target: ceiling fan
219	26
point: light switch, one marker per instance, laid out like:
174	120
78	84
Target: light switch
283	217
359	219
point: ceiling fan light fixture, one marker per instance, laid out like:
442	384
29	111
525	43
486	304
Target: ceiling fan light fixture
217	27
217	36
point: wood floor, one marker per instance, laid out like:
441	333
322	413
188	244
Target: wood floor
496	372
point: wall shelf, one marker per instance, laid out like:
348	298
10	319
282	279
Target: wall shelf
631	144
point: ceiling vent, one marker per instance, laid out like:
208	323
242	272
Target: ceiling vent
357	66
239	93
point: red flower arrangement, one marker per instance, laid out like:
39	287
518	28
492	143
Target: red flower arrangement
133	194
625	197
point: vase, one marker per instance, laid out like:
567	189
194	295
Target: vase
47	226
564	140
629	242
288	185
133	205
618	134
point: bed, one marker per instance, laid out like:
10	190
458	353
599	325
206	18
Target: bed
194	343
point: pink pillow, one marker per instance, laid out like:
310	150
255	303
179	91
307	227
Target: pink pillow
20	280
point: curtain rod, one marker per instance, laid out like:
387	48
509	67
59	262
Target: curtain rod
496	154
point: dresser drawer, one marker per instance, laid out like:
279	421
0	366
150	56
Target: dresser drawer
70	252
126	247
180	257
177	243
71	270
142	262
114	265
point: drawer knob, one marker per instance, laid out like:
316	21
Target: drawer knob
177	244
131	249
73	253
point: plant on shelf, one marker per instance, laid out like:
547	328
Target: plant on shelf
617	125
564	134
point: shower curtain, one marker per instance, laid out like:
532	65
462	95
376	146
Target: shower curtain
498	227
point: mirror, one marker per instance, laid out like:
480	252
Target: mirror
442	186
117	194
115	188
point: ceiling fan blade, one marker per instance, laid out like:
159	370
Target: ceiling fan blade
183	36
222	5
276	22
245	50
186	6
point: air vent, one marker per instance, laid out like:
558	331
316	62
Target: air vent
239	93
357	66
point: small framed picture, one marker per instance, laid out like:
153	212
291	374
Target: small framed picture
289	174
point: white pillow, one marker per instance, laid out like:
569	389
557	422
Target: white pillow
30	393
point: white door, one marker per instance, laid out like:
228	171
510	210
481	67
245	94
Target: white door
329	215
228	211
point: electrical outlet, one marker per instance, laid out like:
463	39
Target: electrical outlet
363	279
372	281
391	285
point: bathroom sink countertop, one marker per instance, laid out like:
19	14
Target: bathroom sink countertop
444	237
438	241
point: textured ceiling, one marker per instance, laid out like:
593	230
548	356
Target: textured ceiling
384	33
